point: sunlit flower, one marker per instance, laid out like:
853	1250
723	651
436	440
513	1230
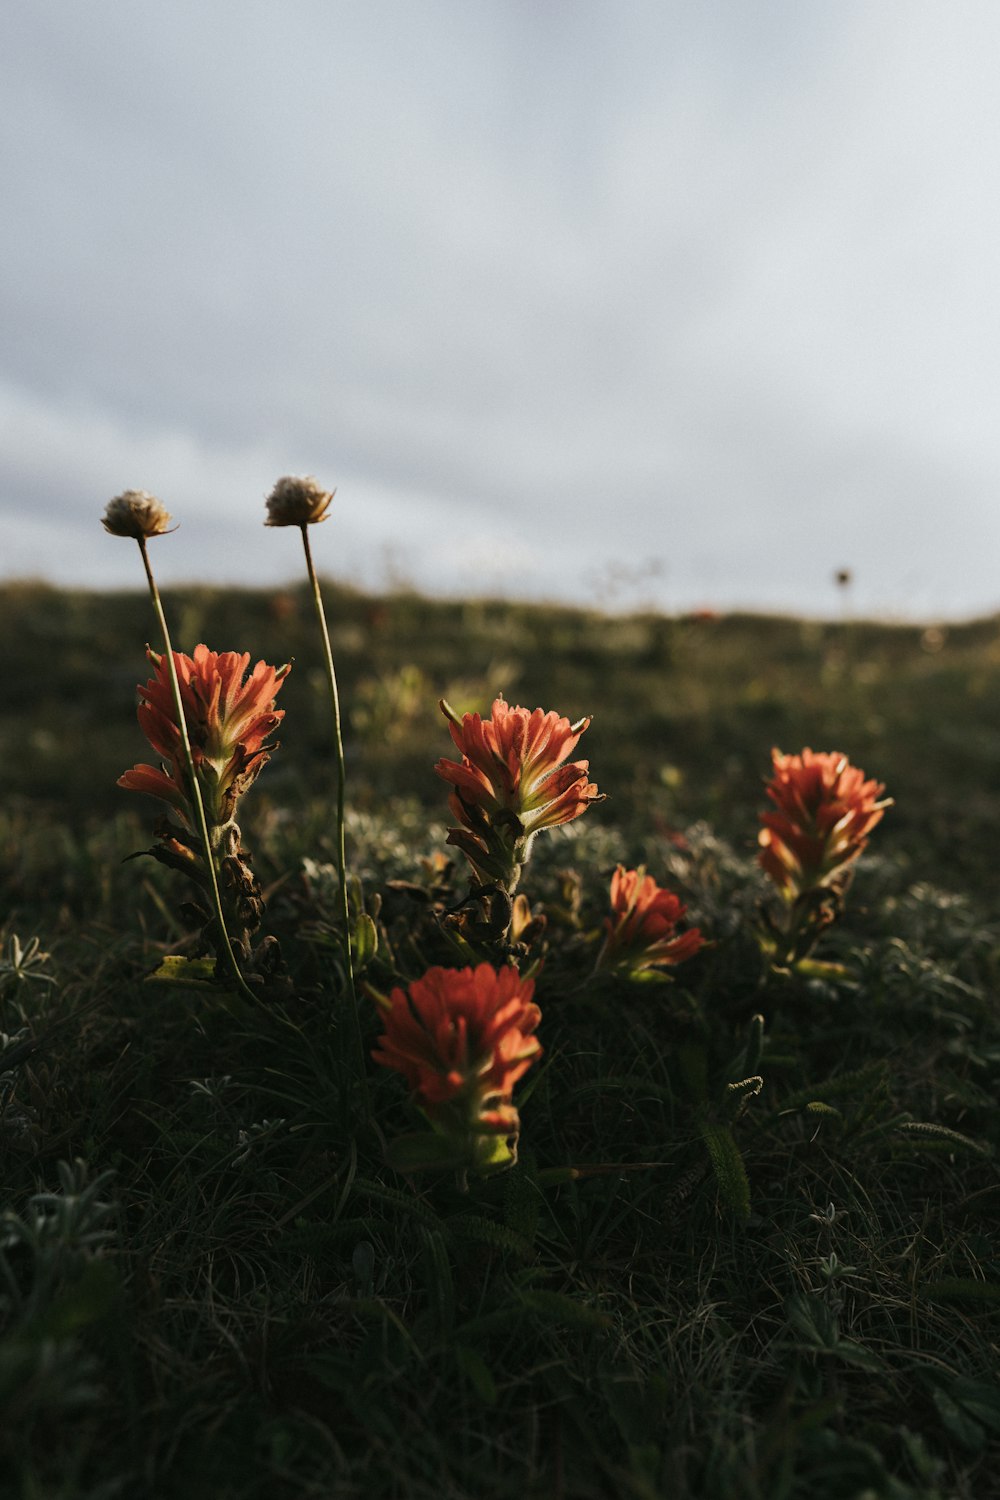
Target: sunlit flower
513	779
824	810
512	763
462	1038
136	514
297	500
229	716
641	932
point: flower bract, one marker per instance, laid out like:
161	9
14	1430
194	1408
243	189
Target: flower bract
641	932
824	809
462	1038
514	779
229	712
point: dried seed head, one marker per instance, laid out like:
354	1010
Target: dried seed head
136	514
297	500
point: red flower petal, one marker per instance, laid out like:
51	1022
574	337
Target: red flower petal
461	1034
823	811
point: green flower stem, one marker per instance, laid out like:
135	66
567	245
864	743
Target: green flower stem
196	797
345	914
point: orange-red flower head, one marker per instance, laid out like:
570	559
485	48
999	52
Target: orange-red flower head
823	811
514	778
642	929
229	716
462	1038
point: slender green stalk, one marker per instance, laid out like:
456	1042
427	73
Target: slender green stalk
345	913
196	798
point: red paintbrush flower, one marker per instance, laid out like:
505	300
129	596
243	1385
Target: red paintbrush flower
824	810
642	930
513	779
462	1038
512	764
229	715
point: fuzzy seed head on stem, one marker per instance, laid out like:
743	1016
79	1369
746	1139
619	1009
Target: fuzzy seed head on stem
297	500
136	514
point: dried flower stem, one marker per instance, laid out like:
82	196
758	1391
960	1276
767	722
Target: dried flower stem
196	799
345	914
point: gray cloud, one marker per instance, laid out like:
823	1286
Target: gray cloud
701	293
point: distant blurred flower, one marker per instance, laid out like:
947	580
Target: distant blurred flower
297	500
642	930
512	782
462	1038
136	514
229	716
824	811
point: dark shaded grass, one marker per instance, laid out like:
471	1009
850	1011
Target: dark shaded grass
278	1315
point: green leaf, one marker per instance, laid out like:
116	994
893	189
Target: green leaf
196	973
408	1204
925	1132
960	1289
480	1230
75	1307
363	1266
812	1320
982	1402
727	1164
493	1155
694	1072
862	1081
964	1428
556	1176
440	1282
856	1354
522	1203
477	1372
365	941
555	1307
817	968
422	1151
755	1045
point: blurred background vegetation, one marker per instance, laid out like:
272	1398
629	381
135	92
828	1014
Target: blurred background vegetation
685	710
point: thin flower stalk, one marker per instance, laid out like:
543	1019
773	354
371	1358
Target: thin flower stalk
227	955
338	739
302	502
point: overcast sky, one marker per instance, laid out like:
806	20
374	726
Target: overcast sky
676	303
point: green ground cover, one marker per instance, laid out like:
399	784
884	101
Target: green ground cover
234	1296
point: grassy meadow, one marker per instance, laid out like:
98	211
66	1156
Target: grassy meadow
212	1284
